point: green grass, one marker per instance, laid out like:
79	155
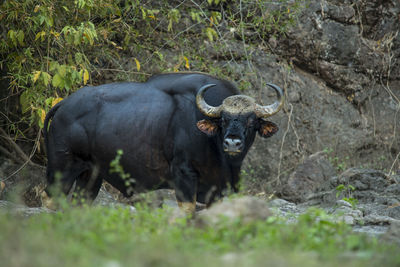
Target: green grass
100	236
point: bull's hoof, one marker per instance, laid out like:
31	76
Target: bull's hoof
188	207
200	206
47	201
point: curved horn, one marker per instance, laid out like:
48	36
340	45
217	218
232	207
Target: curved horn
206	109
269	110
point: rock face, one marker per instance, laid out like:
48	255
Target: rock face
365	185
342	90
377	194
347	43
308	177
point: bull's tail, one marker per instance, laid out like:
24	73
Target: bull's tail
49	116
46	200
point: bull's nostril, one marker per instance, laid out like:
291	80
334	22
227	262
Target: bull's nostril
237	143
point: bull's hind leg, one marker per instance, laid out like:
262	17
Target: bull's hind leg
69	161
59	183
61	175
62	172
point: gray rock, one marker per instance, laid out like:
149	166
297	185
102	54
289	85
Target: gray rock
366	186
372	230
288	210
394	211
22	210
284	208
294	96
281	204
370	186
329	32
343	203
104	198
347	214
310	176
393	233
393	189
373	219
247	209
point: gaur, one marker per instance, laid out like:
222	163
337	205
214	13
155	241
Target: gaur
185	131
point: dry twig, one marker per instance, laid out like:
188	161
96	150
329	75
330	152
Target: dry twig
27	160
17	149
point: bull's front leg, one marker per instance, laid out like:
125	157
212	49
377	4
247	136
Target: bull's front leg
185	185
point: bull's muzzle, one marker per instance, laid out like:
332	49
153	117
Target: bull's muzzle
232	145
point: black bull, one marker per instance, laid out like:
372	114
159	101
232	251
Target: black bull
186	131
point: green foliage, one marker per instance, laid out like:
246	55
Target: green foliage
92	236
52	48
215	2
341	164
269	18
173	16
346	191
210	33
116	167
45	48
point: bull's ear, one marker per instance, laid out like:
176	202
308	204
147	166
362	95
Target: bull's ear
267	128
208	127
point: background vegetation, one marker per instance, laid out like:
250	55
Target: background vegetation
49	49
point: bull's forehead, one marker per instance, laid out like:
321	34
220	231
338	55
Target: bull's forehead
238	104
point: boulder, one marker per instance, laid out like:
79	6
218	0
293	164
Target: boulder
246	209
310	176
